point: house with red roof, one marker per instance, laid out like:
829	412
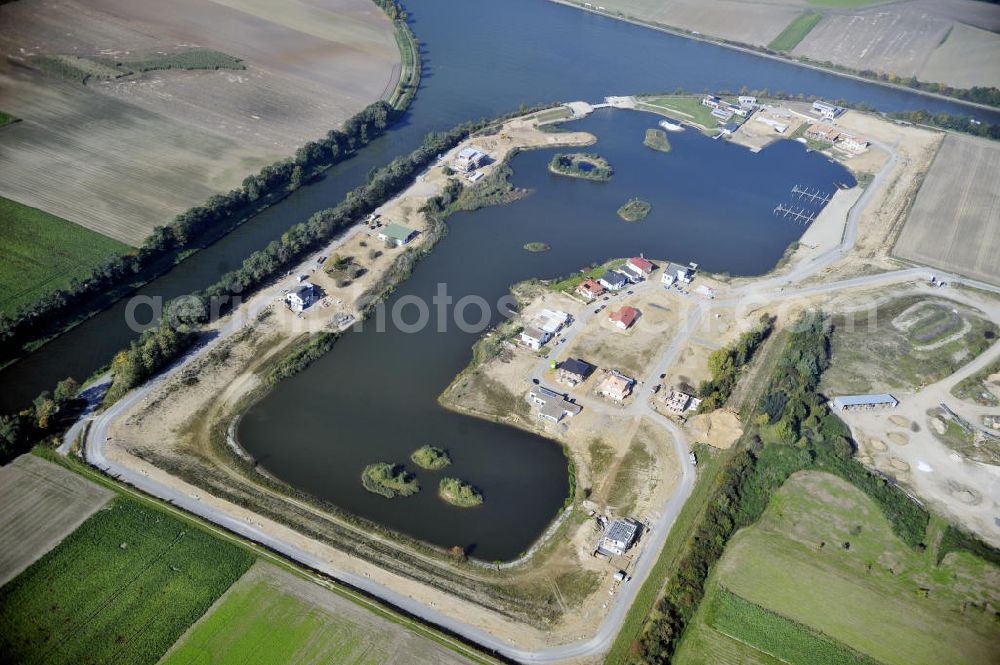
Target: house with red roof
625	317
589	289
637	268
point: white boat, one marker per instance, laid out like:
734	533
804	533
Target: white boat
671	126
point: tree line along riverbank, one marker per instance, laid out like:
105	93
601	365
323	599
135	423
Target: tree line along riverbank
121	274
159	347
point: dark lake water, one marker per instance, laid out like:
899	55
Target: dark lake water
373	398
481	58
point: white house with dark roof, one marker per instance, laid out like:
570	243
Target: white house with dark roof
301	297
534	338
675	272
614	280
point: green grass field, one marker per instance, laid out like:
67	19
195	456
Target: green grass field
259	623
682	107
271	616
795	32
40	253
824	557
121	588
773	634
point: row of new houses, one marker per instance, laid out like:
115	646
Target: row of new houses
635	270
723	110
574	371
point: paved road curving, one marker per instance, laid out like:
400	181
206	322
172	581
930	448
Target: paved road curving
769	290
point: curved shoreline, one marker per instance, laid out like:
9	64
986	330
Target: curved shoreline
403	90
97	438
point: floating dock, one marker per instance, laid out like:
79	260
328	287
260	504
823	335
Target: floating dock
809	195
797	215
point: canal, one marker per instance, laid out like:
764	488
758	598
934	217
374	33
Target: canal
481	58
373	397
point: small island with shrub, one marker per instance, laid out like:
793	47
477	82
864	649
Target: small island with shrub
657	140
431	458
536	247
581	165
389	480
459	493
634	210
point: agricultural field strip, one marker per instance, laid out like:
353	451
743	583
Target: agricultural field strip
40	252
955	225
302	569
836	596
130	580
777	635
42	505
274	616
178	137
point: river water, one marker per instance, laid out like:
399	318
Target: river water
482	58
373	397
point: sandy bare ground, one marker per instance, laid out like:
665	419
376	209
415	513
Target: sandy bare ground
955	221
122	157
42	504
720	428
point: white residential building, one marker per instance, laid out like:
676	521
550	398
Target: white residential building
468	160
301	297
534	338
675	272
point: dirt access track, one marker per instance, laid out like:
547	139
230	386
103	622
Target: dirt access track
123	156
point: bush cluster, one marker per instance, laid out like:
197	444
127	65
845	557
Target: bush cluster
793	430
727	363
